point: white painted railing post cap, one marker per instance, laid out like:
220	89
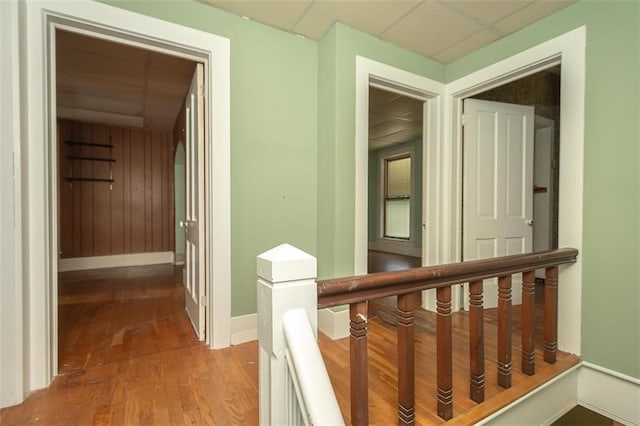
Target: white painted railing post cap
286	263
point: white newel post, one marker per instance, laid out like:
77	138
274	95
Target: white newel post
286	280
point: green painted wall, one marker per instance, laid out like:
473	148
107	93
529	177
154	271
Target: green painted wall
336	141
611	254
273	136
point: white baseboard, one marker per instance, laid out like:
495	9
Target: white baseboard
406	249
244	328
334	324
115	261
542	406
179	259
610	393
599	389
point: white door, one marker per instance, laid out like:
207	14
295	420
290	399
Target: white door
194	223
497	186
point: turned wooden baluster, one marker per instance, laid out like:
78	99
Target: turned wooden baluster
406	358
476	342
528	323
504	331
444	353
358	363
551	314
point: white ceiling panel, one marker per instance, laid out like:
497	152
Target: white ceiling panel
530	14
278	13
437	29
379	15
487	11
431	28
468	45
393	118
98	76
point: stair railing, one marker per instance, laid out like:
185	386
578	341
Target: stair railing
408	284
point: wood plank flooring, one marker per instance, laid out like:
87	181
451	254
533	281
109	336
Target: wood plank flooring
117	314
128	356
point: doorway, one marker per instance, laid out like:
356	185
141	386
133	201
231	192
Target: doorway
511	172
41	165
567	51
395	181
119	113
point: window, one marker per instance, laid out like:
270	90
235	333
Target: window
397	198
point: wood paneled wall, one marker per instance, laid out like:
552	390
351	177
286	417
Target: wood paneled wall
136	214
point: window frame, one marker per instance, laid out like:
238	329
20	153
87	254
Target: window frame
384	160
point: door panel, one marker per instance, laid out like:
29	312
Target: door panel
194	215
497	185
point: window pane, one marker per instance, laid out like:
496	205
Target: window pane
397	218
398	177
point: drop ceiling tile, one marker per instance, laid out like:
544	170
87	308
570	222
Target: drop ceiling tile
90	45
171	64
467	45
93	103
431	28
278	13
98	86
379	144
530	14
375	119
487	11
379	96
97	65
369	16
402	136
397	107
392	127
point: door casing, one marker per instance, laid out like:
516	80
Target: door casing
40	254
568	50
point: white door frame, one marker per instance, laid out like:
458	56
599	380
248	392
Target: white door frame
40	145
386	77
568	50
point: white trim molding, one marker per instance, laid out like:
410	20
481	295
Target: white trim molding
612	394
244	328
12	327
334	324
543	405
607	392
114	261
40	246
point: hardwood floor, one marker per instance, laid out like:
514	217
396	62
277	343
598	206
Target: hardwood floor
141	363
117	314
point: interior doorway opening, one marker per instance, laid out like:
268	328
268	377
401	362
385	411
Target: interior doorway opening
395	180
120	114
511	172
542	91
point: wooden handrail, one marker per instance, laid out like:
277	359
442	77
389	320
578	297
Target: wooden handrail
407	284
340	291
